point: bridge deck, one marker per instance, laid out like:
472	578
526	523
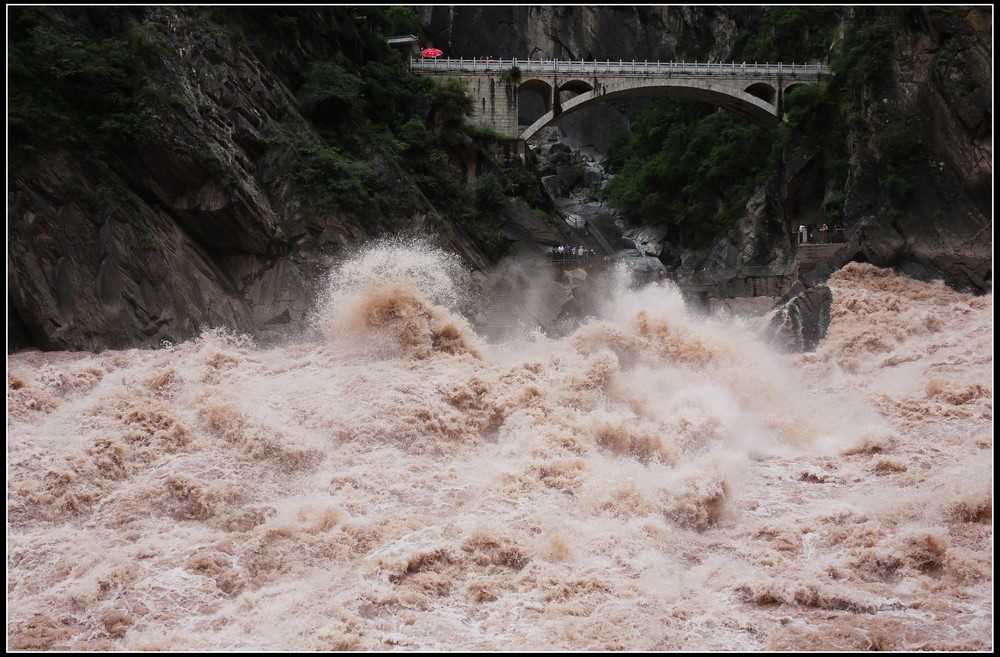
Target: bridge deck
621	67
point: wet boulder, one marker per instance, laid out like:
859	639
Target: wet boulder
800	321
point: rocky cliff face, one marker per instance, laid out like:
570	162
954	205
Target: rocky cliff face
568	32
200	223
941	93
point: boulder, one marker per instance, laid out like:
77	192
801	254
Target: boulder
801	320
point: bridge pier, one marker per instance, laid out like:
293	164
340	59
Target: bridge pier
495	105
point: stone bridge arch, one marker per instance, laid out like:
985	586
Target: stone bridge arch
764	91
745	103
792	86
576	86
538	87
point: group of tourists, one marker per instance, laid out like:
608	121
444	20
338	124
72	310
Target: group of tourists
570	252
807	234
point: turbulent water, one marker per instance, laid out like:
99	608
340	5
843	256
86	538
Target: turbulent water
656	480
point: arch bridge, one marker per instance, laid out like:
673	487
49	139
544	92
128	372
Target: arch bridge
755	90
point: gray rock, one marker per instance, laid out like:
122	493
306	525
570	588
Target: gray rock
552	185
592	175
801	320
569	175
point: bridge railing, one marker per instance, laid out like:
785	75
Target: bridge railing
620	67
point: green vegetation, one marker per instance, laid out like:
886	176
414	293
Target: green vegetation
788	34
526	185
863	68
330	96
901	149
833	208
689	168
864	60
83	90
67	90
488	198
337	179
895	184
452	102
512	74
287	25
966	85
488	195
900	145
393	21
147	242
148	42
484	133
414	120
692	168
89	84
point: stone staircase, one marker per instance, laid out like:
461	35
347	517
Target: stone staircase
809	256
499	317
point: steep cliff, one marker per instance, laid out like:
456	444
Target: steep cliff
647	32
205	214
171	169
917	194
931	126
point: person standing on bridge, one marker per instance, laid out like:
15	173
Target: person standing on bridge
803	235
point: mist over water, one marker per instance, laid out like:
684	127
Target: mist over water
656	480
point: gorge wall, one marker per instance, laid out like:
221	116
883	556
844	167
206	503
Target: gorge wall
202	221
199	222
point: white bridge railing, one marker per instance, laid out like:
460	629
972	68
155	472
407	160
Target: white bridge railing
620	67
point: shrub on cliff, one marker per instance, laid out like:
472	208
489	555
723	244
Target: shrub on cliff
67	89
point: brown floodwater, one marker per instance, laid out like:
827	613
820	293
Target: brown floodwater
656	480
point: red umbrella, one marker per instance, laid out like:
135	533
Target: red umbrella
431	52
